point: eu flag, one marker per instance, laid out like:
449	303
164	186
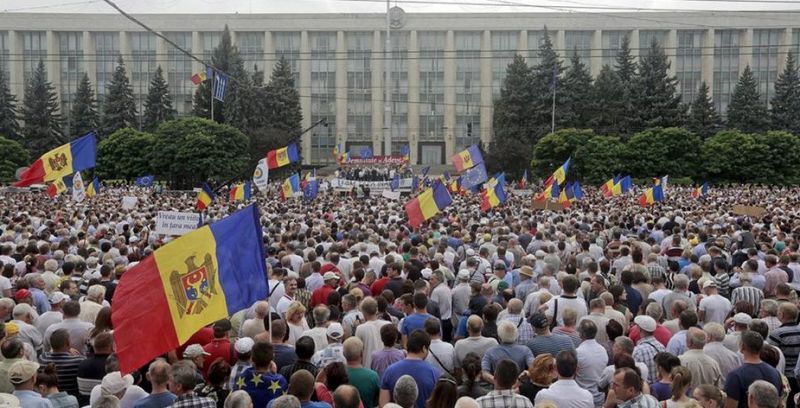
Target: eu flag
474	177
145	181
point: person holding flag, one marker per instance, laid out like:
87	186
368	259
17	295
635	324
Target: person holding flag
204	197
700	191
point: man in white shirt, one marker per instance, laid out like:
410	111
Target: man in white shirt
567	300
290	286
566	393
440	354
592	359
713	307
370	330
443	297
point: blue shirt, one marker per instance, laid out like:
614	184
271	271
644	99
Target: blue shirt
423	372
160	400
40	301
32	399
634	299
262	387
740	378
413	322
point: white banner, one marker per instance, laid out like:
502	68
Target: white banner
392	195
341	184
261	175
129	203
176	223
78	188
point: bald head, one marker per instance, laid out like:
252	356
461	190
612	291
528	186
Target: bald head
514	306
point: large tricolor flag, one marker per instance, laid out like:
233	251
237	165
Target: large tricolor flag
560	175
494	192
241	192
290	186
700	191
93	188
201	277
204	197
77	155
466	159
653	194
424	206
283	156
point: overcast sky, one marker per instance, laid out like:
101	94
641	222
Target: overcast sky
377	6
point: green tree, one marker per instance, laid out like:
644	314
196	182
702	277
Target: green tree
782	148
158	105
84	116
125	155
42	121
545	76
224	58
732	156
703	119
241	105
552	150
625	62
576	95
607	103
657	100
662	151
746	111
119	107
625	67
512	122
599	158
190	151
12	156
9	127
785	112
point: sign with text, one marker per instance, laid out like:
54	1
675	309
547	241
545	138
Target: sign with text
396	160
749	210
176	223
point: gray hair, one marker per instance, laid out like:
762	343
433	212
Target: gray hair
764	394
241	399
466	402
106	401
587	329
681	282
655	311
695	338
715	331
7	303
96	292
625	344
507	332
284	401
22	310
406	391
770	307
321	314
183	373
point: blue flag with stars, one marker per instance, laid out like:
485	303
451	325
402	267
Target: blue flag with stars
263	387
145	181
311	190
474	177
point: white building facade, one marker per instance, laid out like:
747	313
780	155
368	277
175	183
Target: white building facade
445	69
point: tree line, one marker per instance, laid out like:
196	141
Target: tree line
635	105
268	115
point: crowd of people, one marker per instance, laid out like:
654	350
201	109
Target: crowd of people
604	304
373	172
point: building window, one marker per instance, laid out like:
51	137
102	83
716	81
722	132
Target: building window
535	39
765	61
211	40
726	67
646	38
578	42
287	46
4	55
34	49
72	69
398	86
179	71
107	50
431	86
468	89
612	43
688	63
251	48
143	64
323	95
504	47
359	85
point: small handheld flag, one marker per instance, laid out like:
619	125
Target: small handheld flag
93	189
204	197
290	186
700	191
145	181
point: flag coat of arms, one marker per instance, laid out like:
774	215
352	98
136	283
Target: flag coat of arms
201	277
283	156
261	175
240	192
78	188
466	159
290	186
64	160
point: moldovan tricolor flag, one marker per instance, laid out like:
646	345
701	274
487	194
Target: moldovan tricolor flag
66	159
201	277
240	192
427	204
283	156
468	158
204	197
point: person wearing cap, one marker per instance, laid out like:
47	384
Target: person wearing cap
220	347
500	274
243	347
545	341
713	307
526	284
22	375
334	351
741	321
647	347
320	296
54	315
196	355
24	296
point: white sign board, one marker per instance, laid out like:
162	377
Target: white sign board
129	203
176	223
392	195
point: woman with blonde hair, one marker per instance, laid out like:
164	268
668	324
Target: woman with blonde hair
539	376
709	396
296	321
681	380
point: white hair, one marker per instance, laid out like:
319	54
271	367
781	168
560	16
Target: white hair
507	332
97	292
22	310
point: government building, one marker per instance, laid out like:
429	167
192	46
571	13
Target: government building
445	69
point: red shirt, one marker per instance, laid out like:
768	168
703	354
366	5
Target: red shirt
378	285
662	334
203	336
218	348
320	295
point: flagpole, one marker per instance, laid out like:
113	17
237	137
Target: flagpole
213	80
553	114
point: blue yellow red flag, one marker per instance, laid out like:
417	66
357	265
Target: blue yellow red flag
204	197
290	186
93	188
64	160
467	158
283	156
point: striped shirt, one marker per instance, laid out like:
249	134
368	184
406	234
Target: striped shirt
645	352
751	294
787	338
66	369
655	270
723	280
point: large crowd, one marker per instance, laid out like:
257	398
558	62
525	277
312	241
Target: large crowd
604	304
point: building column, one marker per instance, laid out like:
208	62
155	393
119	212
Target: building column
746	45
377	84
341	88
707	64
634	43
671	49
305	93
125	51
269	55
197	49
16	66
486	88
784	44
90	64
413	96
449	94
597	52
522	44
560	44
53	63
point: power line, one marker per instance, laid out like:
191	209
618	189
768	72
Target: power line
77	3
